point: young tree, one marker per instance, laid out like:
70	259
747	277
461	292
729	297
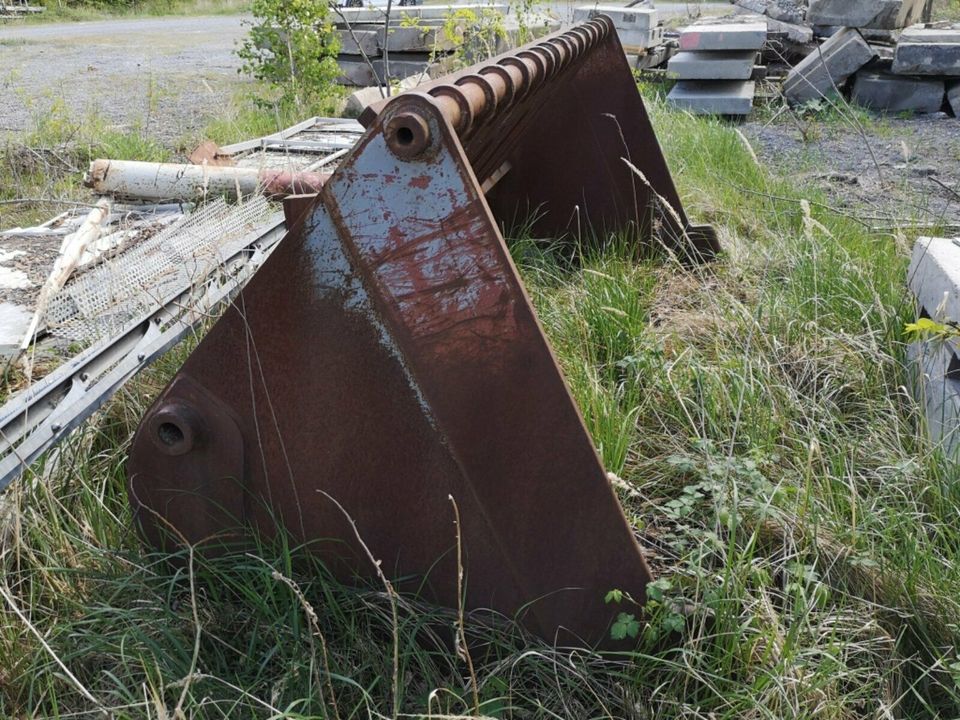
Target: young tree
292	46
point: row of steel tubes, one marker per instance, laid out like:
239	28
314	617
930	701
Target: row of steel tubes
473	99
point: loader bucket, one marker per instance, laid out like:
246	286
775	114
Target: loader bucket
386	362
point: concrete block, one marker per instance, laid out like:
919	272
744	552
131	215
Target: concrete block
633	24
828	67
734	65
351	43
934	280
404	66
953	97
358	101
788	11
742	34
928	50
426	38
623	17
934	277
935	366
398	13
897	93
717	97
876	14
355	72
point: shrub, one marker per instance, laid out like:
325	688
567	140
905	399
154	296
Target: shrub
292	47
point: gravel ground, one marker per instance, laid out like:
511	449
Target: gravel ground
886	170
167	75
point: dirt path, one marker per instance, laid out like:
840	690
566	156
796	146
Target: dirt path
166	75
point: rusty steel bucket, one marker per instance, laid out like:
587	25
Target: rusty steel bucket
386	360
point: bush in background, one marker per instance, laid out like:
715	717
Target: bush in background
292	47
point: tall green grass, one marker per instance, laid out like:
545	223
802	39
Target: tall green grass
774	465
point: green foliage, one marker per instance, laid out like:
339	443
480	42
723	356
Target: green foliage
292	48
474	34
625	626
925	328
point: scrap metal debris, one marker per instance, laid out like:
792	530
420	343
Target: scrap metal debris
142	277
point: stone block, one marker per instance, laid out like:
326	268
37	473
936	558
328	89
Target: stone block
355	41
355	72
925	59
745	34
940	33
716	97
828	67
633	25
886	36
928	50
788	11
934	280
424	38
404	66
953	97
797	34
358	101
897	93
623	17
935	371
876	14
399	13
734	65
934	277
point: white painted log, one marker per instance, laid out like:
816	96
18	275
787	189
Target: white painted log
168	181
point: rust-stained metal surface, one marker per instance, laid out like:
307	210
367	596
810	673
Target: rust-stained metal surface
557	119
386	359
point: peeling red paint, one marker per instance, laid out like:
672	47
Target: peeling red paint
420	181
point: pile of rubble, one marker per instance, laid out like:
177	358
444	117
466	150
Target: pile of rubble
913	75
884	55
639	29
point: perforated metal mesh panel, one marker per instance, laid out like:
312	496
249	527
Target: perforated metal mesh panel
98	302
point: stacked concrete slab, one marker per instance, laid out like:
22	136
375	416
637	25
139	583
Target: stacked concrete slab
414	44
638	28
715	65
928	56
866	14
931	49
